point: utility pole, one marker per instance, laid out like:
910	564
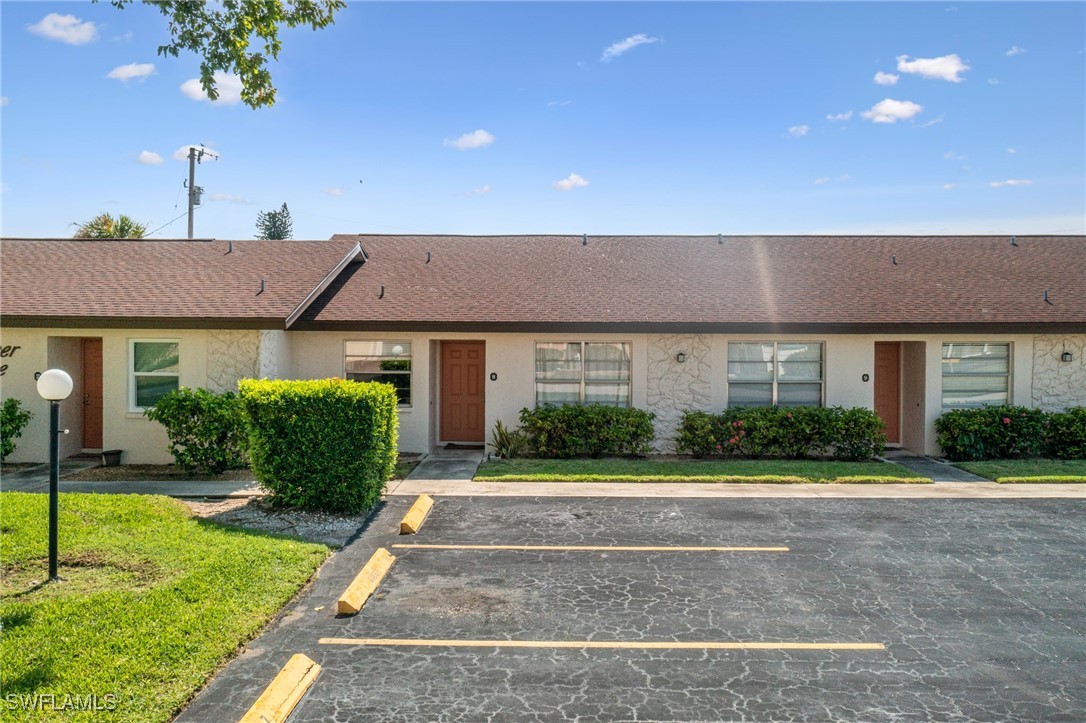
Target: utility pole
195	192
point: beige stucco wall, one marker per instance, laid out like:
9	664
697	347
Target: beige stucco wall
655	373
1057	384
143	441
659	383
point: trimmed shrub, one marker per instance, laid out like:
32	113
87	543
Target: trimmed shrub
1067	434
207	430
13	420
992	432
790	432
326	444
592	430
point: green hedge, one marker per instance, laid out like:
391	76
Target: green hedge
1009	432
591	430
13	420
792	432
1067	434
326	444
207	431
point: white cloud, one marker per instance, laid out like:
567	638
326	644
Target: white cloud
946	67
551	103
65	28
844	177
1011	182
230	198
4	101
995	81
127	37
150	158
471	141
948	186
798	131
847	115
333	191
886	78
125	73
891	111
820	181
229	87
933	121
952	156
1015	50
622	46
182	153
1012	150
568	184
481	190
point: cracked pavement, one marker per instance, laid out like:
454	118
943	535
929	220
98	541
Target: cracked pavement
980	604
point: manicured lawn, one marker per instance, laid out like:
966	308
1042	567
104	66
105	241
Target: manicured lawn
654	470
151	603
1029	470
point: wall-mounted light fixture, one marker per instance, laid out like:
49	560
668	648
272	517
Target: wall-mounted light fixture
1066	357
681	357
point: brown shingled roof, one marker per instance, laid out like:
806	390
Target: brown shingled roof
784	283
179	283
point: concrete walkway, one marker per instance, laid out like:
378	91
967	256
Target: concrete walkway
941	490
456	466
36	479
928	467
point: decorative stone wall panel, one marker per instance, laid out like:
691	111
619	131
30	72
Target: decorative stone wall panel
1057	384
673	387
231	355
272	354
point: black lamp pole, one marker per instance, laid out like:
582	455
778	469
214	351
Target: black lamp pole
54	484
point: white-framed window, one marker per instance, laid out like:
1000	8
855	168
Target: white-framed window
582	372
975	374
775	373
380	361
154	369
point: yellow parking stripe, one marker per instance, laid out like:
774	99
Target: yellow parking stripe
590	548
601	644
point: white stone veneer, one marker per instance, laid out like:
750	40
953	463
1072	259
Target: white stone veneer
231	355
1058	384
673	387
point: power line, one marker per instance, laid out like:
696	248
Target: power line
186	213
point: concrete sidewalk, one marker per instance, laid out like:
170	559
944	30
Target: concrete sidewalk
940	490
455	466
36	479
933	469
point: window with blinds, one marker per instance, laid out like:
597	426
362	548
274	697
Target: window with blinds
783	374
582	372
976	374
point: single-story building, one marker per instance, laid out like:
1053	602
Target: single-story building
471	329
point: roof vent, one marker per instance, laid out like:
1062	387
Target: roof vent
1014	240
584	239
229	247
720	239
427	257
1047	300
382	295
893	260
264	287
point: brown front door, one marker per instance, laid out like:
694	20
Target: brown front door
463	366
92	393
888	388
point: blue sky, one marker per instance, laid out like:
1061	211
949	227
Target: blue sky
751	118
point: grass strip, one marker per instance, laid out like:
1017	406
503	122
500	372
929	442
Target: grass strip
715	471
1028	471
151	603
1048	479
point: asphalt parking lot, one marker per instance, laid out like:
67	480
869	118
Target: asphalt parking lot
879	610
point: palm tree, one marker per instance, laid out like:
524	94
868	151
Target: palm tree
105	226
